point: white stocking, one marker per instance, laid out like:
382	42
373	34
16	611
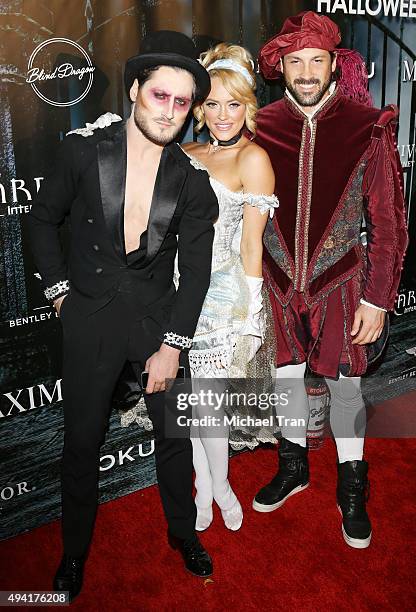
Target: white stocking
211	459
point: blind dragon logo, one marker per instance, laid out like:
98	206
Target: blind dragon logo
83	72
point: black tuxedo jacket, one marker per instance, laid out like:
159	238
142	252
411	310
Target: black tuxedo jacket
88	183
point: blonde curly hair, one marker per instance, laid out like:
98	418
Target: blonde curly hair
233	81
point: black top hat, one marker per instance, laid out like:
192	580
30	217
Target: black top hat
168	48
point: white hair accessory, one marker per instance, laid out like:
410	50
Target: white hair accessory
229	64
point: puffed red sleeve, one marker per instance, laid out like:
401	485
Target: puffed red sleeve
384	208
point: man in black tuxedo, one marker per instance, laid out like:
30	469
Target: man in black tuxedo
134	201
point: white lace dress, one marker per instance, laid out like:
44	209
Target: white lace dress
225	309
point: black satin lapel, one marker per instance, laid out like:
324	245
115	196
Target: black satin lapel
168	185
112	167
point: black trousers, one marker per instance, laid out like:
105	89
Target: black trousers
96	348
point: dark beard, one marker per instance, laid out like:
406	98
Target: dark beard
302	101
142	124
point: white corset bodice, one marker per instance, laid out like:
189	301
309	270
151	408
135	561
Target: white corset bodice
231	204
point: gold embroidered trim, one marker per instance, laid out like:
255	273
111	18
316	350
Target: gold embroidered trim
308	206
303	211
299	201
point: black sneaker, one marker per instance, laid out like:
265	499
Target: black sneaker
291	478
197	560
352	495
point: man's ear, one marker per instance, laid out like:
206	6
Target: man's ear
281	64
134	90
334	63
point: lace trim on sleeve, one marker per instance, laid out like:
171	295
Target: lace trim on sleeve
57	290
263	202
182	342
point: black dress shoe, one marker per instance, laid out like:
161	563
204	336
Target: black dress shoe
352	495
197	560
292	477
69	575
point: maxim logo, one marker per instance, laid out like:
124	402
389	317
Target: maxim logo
30	398
39	71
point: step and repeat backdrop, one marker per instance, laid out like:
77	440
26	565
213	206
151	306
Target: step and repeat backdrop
61	65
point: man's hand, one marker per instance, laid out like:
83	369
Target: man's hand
161	365
58	303
371	321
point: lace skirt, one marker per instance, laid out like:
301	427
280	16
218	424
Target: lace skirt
223	313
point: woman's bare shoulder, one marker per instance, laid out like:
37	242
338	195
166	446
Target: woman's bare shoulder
255	170
253	153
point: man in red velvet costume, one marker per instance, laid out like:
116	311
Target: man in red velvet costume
335	159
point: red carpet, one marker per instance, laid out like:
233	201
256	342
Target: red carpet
294	558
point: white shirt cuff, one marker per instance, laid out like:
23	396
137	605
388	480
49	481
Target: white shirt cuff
372	305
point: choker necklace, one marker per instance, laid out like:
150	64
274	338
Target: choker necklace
225	143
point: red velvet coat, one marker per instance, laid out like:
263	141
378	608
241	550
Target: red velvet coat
327	175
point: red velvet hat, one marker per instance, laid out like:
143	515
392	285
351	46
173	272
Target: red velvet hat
310	30
307	29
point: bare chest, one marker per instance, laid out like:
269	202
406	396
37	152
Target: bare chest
140	184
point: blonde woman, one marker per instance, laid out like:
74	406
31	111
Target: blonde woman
242	177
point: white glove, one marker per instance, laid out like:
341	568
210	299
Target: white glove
253	325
